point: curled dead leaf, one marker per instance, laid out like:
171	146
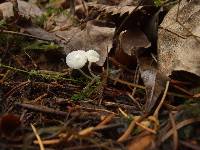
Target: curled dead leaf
129	42
132	40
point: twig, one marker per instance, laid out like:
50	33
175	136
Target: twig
129	130
39	98
136	80
179	126
190	145
182	90
16	88
127	83
162	100
135	101
26	35
43	109
96	109
123	113
145	127
48	142
175	133
38	138
106	120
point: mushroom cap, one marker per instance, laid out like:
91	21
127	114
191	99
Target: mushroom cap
76	59
92	56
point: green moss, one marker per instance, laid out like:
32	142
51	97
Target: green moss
158	2
47	75
41	46
86	92
3	24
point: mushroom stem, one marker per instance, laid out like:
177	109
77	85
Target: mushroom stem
81	71
89	68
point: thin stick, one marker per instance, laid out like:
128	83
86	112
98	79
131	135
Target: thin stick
135	101
38	138
182	90
162	100
106	120
179	126
130	129
127	132
48	142
127	83
17	88
26	35
43	109
145	127
175	133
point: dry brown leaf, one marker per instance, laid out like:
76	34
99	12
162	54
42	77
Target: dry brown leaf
25	9
153	80
179	42
39	32
132	40
92	37
113	10
142	143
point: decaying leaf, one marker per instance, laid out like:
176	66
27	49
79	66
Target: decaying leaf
94	37
39	32
179	39
129	42
25	9
113	10
132	40
153	80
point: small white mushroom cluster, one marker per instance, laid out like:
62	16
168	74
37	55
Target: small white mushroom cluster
78	59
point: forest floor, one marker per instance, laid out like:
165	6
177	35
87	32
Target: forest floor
126	100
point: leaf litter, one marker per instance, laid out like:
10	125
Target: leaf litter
46	105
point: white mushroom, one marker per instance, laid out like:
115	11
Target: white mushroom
92	56
76	59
